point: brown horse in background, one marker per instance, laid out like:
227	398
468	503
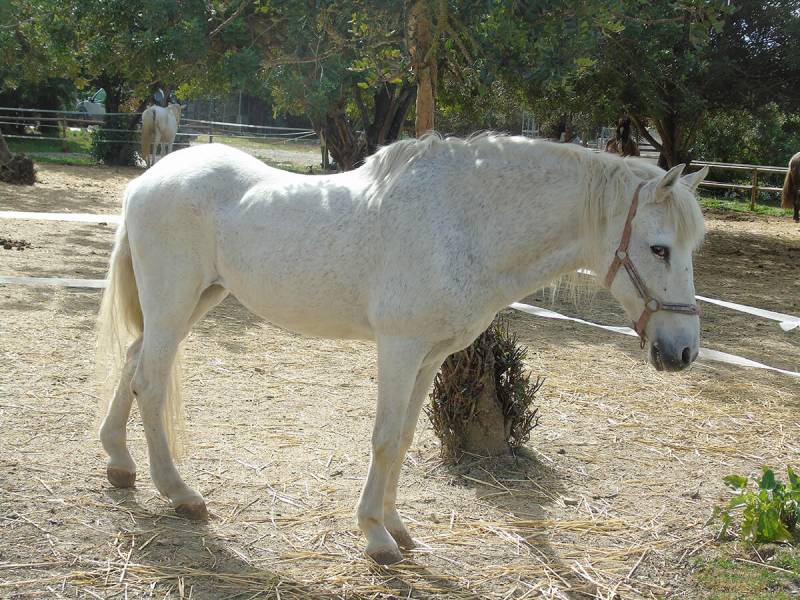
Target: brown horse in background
791	187
622	143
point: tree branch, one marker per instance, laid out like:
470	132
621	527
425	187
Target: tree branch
235	14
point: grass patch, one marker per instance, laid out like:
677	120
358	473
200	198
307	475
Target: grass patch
736	206
731	578
74	141
72	160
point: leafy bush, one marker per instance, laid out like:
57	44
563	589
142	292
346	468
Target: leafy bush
768	136
112	144
770	513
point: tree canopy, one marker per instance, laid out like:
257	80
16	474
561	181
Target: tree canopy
353	66
667	64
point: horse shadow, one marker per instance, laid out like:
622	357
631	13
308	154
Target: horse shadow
194	557
229	322
198	558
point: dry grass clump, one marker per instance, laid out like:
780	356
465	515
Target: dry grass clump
482	399
19	169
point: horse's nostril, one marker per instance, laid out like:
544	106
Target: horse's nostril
686	355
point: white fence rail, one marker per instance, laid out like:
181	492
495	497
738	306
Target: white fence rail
35	118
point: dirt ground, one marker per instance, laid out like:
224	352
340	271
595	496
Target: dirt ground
610	499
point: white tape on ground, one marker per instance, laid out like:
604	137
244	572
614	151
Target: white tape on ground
705	353
786	322
41	216
60	281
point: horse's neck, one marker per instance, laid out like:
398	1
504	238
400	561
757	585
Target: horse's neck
530	232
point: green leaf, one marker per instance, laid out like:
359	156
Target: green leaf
770	528
794	480
737	482
767	480
737	501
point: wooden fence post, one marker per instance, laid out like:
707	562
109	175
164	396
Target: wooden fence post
754	190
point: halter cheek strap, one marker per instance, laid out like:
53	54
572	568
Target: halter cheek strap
621	259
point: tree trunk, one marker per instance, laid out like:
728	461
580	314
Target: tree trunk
423	63
133	122
382	125
341	139
674	148
391	106
486	433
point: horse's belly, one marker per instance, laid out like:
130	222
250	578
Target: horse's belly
306	310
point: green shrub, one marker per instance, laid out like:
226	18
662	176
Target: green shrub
112	144
770	512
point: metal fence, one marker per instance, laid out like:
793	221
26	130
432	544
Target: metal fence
195	129
188	129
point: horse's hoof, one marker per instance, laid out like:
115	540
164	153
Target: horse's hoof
385	555
120	478
403	539
194	510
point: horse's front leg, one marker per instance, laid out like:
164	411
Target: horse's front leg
797	210
394	523
399	362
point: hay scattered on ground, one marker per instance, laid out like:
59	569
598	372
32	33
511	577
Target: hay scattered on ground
609	499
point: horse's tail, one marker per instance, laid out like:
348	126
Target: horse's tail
148	131
790	183
121	321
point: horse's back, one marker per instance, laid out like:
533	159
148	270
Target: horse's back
296	249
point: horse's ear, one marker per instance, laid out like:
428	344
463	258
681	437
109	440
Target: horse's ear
692	180
670	178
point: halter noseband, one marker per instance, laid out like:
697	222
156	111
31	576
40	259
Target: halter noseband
621	258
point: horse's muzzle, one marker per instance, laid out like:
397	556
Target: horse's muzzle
671	356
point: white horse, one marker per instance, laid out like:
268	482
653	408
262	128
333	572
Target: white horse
418	250
159	127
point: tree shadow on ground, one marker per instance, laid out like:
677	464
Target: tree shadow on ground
520	487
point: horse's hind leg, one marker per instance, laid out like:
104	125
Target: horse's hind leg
170	306
156	144
120	469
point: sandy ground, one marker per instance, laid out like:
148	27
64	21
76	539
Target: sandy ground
610	497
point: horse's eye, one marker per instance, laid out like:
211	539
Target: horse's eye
660	251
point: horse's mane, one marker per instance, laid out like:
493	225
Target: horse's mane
604	177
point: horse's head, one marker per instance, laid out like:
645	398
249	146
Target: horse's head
175	108
646	263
